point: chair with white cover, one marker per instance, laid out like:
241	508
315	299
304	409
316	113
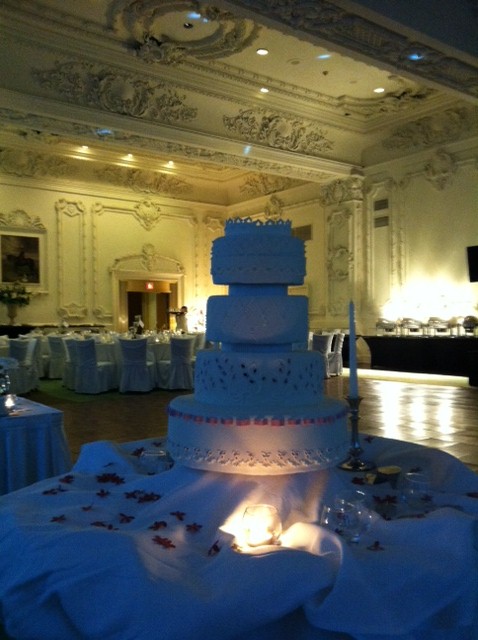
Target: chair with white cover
24	377
69	370
178	373
334	358
58	356
92	376
322	342
137	370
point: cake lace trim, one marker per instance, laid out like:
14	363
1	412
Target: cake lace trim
263	460
271	421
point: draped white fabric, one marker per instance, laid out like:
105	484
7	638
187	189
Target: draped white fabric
111	552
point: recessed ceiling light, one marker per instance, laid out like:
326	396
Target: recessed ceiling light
264	90
170	163
194	15
129	156
324	56
188	25
84	147
415	56
104	132
379	90
262	52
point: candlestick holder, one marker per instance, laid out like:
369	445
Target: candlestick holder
353	462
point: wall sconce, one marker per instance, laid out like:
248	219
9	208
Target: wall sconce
261	525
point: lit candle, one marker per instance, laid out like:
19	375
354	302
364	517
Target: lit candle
353	382
262	525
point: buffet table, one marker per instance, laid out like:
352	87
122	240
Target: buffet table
455	356
110	551
32	445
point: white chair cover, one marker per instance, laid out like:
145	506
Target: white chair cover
25	377
322	342
69	371
181	370
58	356
334	358
137	372
92	376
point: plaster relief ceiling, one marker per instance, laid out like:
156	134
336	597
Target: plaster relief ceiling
173	98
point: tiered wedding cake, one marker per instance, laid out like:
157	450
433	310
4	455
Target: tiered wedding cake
258	406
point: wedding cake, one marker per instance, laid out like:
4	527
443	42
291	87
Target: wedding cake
258	406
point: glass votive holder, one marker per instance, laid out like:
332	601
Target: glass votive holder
416	491
10	401
261	525
155	461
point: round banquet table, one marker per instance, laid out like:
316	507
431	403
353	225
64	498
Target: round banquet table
33	445
113	551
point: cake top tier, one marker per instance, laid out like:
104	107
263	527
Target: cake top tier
258	253
247	225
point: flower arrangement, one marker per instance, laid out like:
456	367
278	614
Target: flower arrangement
15	293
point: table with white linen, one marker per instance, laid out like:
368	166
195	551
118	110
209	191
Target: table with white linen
33	445
108	551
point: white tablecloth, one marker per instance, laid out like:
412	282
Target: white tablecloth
109	552
33	445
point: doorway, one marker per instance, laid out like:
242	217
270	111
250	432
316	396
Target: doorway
152	300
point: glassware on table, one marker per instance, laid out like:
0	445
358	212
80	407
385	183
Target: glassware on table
348	516
155	461
416	491
261	525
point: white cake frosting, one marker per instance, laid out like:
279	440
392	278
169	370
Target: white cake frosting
258	406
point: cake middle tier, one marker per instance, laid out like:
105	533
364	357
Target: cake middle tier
258	379
262	320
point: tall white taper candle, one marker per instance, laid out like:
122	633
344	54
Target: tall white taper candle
353	381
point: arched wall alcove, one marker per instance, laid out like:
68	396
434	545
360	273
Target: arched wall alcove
150	266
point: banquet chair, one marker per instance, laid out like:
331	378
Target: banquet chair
24	377
69	369
178	372
137	370
322	342
334	358
58	357
92	376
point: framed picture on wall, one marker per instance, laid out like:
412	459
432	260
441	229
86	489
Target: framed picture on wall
20	258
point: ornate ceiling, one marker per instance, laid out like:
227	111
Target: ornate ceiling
172	98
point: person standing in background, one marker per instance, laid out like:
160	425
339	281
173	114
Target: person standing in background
181	320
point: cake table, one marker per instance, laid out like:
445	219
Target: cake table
109	551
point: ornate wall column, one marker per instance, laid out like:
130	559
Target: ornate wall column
343	204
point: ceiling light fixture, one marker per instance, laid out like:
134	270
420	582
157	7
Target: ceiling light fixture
379	90
415	56
264	90
324	56
262	52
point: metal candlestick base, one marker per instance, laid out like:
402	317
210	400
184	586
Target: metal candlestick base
353	462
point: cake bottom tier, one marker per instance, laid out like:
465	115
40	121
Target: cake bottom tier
237	440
